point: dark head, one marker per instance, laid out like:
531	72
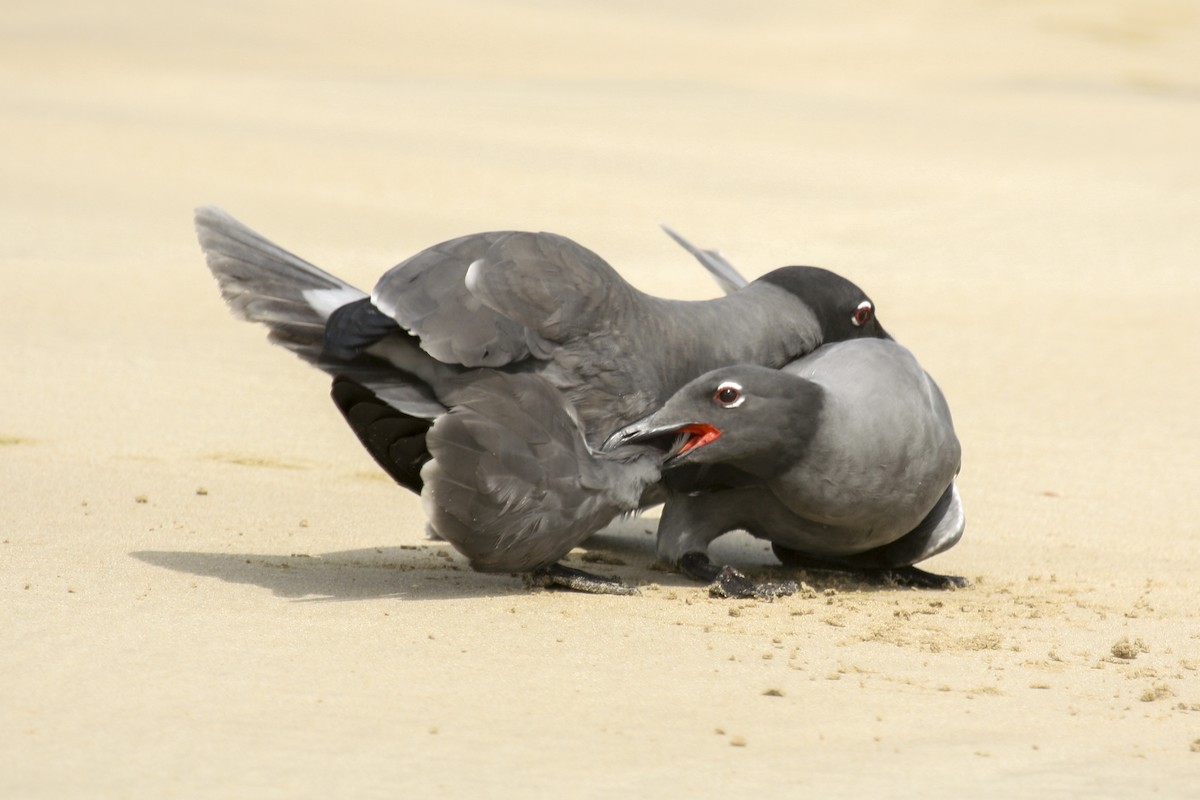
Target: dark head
756	419
843	310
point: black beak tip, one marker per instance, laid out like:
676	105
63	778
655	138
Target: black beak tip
611	443
623	436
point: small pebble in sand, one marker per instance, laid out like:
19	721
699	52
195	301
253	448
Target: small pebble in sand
1158	691
773	693
141	498
1129	650
737	741
200	490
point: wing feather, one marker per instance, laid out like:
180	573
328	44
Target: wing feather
513	485
428	295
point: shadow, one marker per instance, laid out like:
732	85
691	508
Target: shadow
418	572
433	570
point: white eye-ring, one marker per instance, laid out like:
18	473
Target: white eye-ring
729	395
862	314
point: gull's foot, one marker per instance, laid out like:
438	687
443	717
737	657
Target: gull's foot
920	579
731	583
728	582
699	567
578	580
910	576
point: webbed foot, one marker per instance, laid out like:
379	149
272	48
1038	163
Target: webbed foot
899	576
731	583
920	579
728	582
580	581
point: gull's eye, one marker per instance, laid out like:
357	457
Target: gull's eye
863	314
729	395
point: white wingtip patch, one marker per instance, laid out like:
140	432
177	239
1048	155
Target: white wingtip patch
326	301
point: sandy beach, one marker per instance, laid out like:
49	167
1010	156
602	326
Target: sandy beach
208	589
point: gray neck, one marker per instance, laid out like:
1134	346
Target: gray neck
757	325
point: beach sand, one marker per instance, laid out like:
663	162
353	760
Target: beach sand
207	589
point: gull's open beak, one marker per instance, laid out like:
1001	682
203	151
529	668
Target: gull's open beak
673	439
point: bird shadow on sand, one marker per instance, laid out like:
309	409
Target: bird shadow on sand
373	573
434	571
428	571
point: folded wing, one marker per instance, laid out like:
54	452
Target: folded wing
512	484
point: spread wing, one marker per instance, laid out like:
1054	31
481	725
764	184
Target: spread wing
264	283
296	301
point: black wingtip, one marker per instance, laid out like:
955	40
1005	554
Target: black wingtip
394	439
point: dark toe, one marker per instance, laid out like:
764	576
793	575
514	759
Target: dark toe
557	575
920	579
